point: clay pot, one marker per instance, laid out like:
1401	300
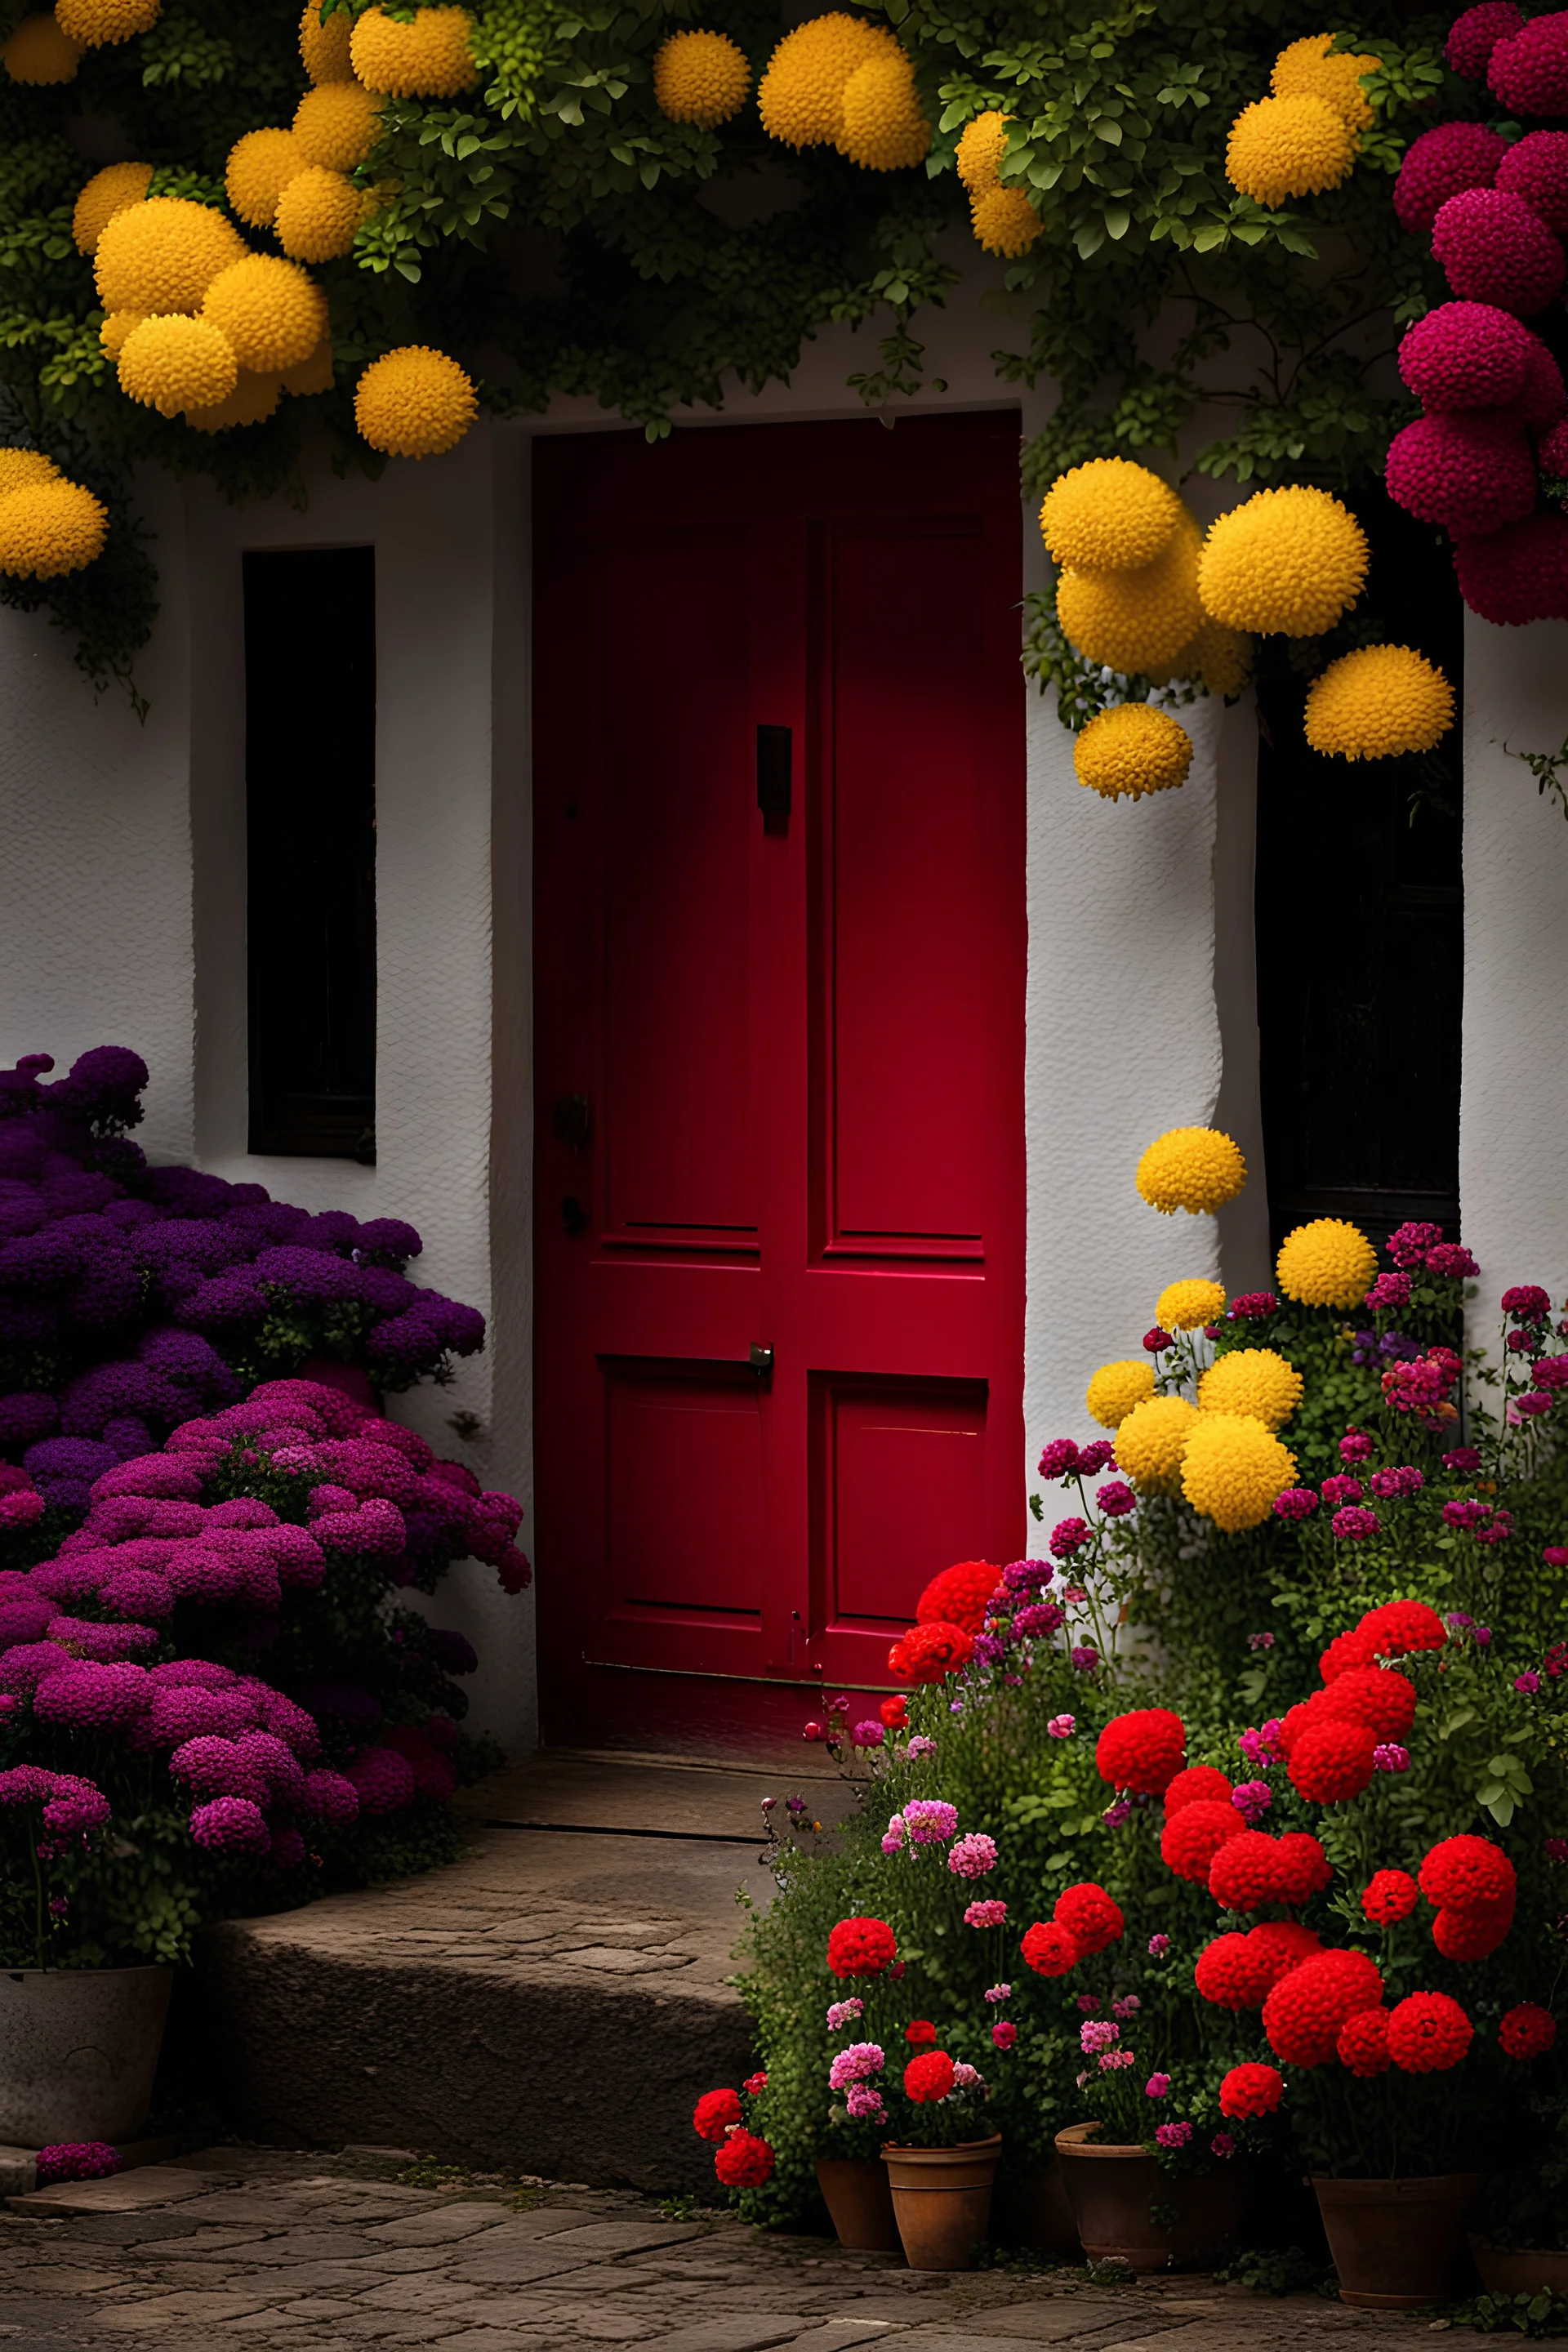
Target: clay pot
1031	2211
1521	2269
78	2049
860	2203
942	2200
1115	2193
1396	2243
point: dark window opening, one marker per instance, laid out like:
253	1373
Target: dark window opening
1360	920
310	770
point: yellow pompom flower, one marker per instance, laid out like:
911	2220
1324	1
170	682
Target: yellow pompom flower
700	77
37	52
1254	1381
1130	749
259	167
800	96
48	528
1327	1263
1188	1305
1382	700
313	375
1150	1441
1233	1470
1305	70
324	49
1004	221
106	194
415	402
1191	1168
161	256
1284	147
1290	561
99	24
337	125
116	327
1108	515
429	57
317	215
20	469
1140	620
251	401
884	127
1115	1389
269	311
982	143
1222	657
174	363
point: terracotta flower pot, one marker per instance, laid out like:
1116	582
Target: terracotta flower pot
1031	2211
860	2203
1396	2243
942	2200
1521	2269
1128	2209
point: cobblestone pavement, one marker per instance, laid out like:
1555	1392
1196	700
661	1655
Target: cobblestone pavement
265	2250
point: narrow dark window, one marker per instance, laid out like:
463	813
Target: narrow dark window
1361	929
309	773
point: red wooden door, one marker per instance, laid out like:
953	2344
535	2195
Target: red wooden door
780	1059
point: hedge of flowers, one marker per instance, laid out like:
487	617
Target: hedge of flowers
210	1697
1236	1820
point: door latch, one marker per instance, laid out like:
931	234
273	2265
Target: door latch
775	764
760	1359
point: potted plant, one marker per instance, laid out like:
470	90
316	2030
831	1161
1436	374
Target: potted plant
942	2166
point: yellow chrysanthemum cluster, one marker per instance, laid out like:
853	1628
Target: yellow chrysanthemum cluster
1378	702
430	56
1305	136
174	363
1151	1441
414	402
1128	595
99	24
1004	220
1233	1468
1306	70
700	77
1191	1168
1130	749
1188	1305
1116	1389
39	53
260	166
324	49
109	192
1255	1382
49	525
1108	515
813	93
1329	1263
1289	561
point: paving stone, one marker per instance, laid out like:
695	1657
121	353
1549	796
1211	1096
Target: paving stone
170	2310
61	2278
445	2224
392	2260
735	2333
1063	2317
126	2192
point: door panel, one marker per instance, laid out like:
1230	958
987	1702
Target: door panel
801	1043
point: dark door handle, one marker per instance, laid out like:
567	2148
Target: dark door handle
573	1121
775	764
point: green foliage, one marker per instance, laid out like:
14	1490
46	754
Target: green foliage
1540	2314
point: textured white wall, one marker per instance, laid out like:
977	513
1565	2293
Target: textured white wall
1513	1121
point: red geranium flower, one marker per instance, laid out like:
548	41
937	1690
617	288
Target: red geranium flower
1251	2090
1244	1871
1379	1696
744	2161
1304	1868
1467	1871
1528	2032
895	1713
1048	1949
1198	1780
1195	1835
1283	1945
1364	2042
928	1653
1232	1974
1304	2015
1090	1916
1331	1761
929	2077
860	1947
1472	1931
1428	2033
1389	1895
714	2113
921	2034
958	1596
1143	1750
755	2086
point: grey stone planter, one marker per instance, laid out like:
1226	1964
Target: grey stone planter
78	2049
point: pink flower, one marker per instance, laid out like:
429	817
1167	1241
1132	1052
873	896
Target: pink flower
930	1820
1062	1726
1116	1497
989	1913
1069	1535
1173	2135
1097	2033
1112	2060
857	2063
843	2012
1353	1525
869	1735
1342	1490
1295	1503
1530	1682
865	2105
1390	1758
1222	2144
1252	1801
1158	1947
1004	2034
1557	1849
1355	1445
1157	2086
973	1857
998	1993
1126	2005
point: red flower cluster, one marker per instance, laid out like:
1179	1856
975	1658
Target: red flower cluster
1331	1761
1195	1833
1392	1631
1528	2032
895	1714
959	1595
1141	1751
921	2034
1241	1971
1388	1896
1251	2091
714	2114
1304	2015
1049	1949
929	2077
860	1947
1472	1883
1428	2033
1089	1917
1254	1869
744	2161
1362	2043
929	1652
1198	1782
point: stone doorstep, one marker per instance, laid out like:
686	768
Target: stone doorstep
19	2165
122	2192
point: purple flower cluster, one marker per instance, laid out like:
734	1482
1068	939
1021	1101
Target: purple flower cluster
76	2159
